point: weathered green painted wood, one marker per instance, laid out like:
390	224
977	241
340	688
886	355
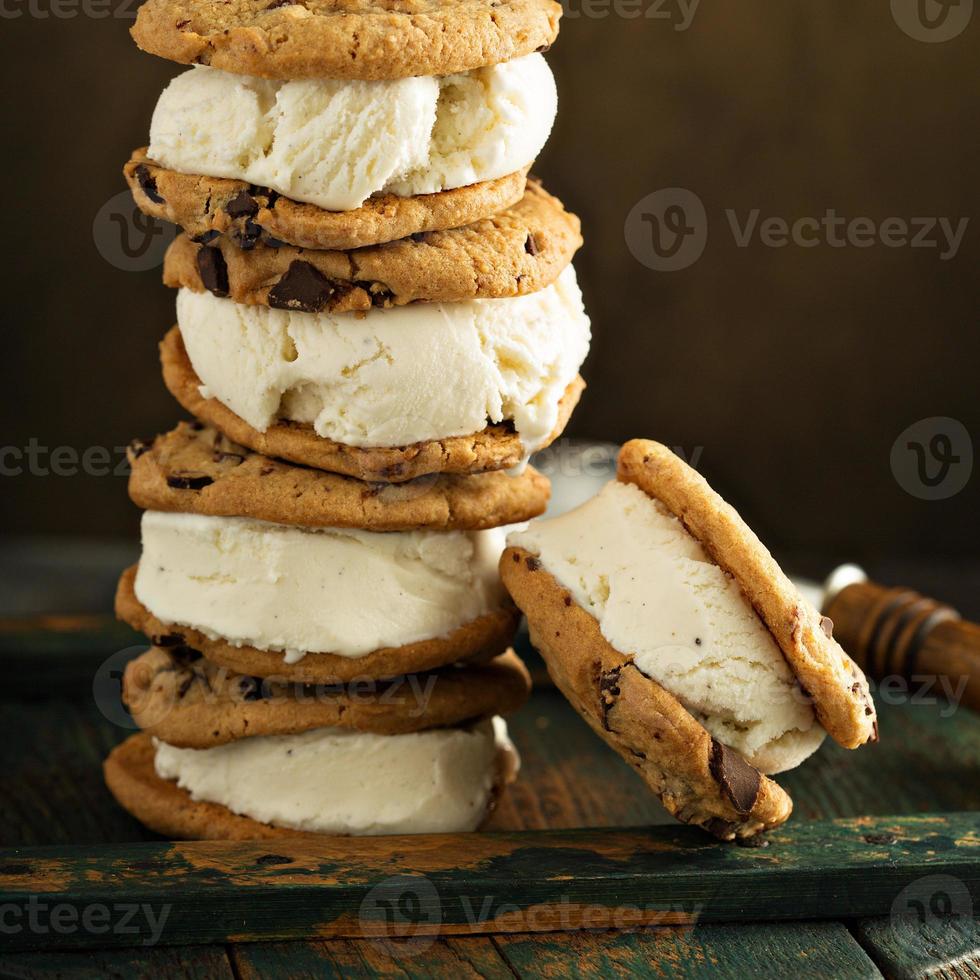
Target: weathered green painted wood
453	958
185	963
489	883
58	654
911	947
51	787
736	952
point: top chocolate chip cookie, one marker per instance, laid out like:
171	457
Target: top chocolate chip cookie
365	39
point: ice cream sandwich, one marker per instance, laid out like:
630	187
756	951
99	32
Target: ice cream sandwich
674	633
228	756
271	569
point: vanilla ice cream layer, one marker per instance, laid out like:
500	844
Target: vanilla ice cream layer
658	597
395	376
333	590
334	143
340	781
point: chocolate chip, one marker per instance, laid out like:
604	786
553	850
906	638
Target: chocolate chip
148	184
196	426
242	205
302	288
276	4
189	481
248	237
568	600
697	641
167	640
185	655
608	692
418	236
532	563
738	780
827	625
181	24
220	456
205	237
530	245
721	829
757	841
214	270
139	446
250	689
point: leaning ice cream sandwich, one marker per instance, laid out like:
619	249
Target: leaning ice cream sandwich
233	757
274	570
673	632
337	124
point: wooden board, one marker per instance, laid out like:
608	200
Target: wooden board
530	881
51	793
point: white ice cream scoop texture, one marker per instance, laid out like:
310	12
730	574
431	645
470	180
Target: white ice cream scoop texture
295	590
339	781
397	376
334	143
658	597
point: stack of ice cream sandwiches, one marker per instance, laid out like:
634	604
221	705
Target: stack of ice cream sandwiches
377	324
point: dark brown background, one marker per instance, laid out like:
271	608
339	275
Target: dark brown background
794	369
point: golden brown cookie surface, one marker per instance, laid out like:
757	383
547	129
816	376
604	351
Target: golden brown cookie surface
837	686
477	641
186	700
208	206
699	780
513	253
497	447
197	470
369	39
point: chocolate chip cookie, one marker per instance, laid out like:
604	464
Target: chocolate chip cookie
206	207
518	251
197	470
368	39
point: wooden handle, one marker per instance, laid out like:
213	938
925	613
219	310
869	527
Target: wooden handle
895	631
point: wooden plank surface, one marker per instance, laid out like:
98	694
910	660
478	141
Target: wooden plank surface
813	949
192	892
51	792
